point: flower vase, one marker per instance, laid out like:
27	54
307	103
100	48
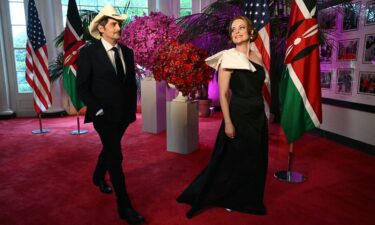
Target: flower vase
153	105
180	98
204	107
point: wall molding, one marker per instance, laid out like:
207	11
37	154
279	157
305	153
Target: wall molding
350	105
357	145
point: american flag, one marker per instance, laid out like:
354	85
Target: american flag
37	74
257	11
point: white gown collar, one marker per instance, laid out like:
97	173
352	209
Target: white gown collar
230	59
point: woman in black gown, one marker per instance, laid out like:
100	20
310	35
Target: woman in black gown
236	174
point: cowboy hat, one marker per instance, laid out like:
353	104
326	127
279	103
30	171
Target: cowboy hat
107	11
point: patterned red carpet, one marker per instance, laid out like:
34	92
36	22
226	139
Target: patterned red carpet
45	179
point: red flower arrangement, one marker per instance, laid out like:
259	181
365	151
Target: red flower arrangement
182	65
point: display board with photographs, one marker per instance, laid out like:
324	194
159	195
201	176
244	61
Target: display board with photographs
351	16
366	83
347	59
325	79
327	19
370	13
347	50
369	49
344	81
325	53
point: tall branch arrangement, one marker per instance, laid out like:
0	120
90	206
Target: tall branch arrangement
209	30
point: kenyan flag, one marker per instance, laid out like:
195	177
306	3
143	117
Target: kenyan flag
73	42
300	91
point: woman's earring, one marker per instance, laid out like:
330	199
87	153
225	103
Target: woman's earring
251	34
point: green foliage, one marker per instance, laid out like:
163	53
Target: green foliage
185	3
19	41
56	67
185	12
20	55
23	86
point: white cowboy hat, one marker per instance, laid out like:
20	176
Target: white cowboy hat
107	11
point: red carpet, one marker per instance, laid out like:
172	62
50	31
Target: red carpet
45	179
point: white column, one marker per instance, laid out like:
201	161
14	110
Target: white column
196	6
5	108
205	3
168	7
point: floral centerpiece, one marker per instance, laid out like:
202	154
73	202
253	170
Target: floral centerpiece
146	35
182	65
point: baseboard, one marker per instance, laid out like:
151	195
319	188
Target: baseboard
358	145
7	116
55	114
349	105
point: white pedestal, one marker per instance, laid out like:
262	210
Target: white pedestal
153	105
182	127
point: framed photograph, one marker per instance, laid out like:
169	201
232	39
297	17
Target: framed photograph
347	50
325	53
344	81
370	13
369	49
325	79
351	16
327	19
366	83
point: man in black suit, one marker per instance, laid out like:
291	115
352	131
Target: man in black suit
106	84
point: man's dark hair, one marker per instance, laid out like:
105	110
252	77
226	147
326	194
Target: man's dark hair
102	22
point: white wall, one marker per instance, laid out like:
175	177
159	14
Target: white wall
354	124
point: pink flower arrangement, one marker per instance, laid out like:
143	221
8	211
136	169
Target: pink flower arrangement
184	66
146	35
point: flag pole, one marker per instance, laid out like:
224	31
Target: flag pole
40	130
289	175
78	131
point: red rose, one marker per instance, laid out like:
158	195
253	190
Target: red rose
182	65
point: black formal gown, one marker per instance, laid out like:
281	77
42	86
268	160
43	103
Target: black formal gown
236	174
